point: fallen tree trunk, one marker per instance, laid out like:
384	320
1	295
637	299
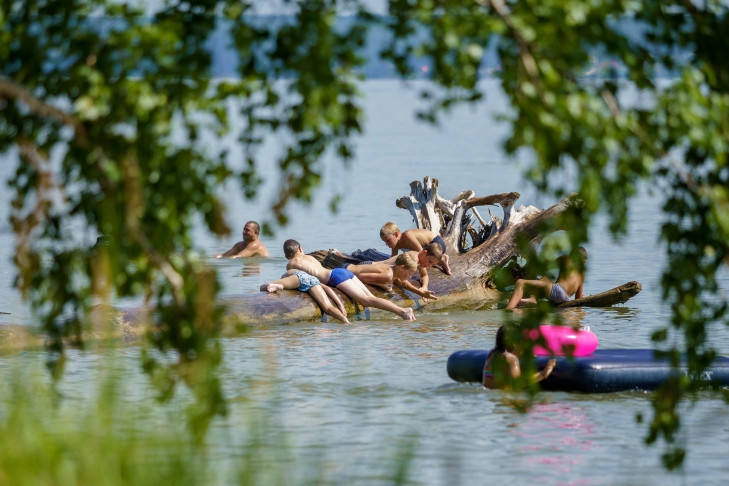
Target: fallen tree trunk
614	296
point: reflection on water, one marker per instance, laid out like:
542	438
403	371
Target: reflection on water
566	442
250	268
573	317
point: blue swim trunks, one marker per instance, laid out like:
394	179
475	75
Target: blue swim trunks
338	276
306	281
558	295
440	241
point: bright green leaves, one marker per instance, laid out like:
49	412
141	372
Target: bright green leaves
127	105
562	67
443	41
95	102
718	199
691	122
317	106
122	104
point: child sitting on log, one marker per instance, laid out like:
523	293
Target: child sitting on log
413	239
570	281
427	257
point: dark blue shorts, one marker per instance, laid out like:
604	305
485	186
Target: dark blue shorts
338	276
440	241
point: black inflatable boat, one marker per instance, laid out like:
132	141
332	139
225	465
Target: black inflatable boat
606	370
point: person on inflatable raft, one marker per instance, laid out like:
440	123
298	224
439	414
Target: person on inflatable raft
502	365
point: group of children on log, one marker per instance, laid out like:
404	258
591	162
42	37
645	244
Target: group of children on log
423	249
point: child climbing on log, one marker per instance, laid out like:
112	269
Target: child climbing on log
413	239
570	281
427	257
341	278
304	282
398	272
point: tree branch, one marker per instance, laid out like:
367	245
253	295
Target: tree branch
133	214
12	90
525	48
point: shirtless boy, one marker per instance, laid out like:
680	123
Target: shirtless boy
570	281
303	282
386	274
251	246
427	257
413	239
340	278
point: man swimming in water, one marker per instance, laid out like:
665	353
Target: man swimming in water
251	246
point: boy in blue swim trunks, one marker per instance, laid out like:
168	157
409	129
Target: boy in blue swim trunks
570	281
303	282
340	278
413	239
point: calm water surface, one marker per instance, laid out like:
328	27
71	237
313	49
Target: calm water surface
345	400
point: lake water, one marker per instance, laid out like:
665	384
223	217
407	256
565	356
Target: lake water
348	399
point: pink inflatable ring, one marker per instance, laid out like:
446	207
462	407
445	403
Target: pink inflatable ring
564	341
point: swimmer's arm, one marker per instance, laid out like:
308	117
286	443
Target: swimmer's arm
233	251
513	366
540	375
580	291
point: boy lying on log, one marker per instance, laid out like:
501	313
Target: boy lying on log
341	278
385	274
304	282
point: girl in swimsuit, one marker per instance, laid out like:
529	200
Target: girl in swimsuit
502	365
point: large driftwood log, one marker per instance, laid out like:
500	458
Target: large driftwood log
450	218
106	324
